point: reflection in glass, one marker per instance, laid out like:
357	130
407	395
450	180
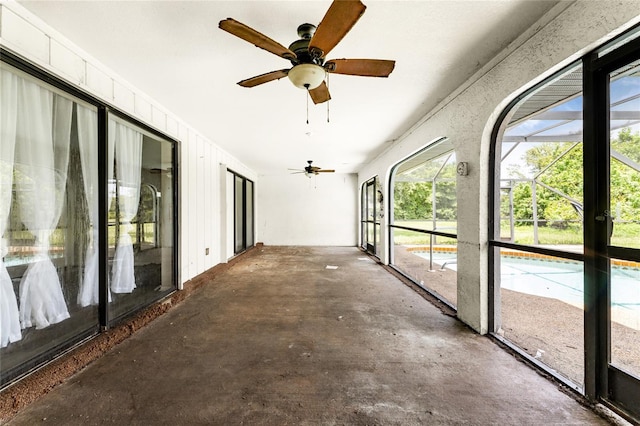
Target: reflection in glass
141	218
48	206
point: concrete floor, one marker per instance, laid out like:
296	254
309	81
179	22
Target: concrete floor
280	339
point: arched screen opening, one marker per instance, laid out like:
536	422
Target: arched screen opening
423	220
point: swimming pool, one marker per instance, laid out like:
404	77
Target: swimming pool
562	280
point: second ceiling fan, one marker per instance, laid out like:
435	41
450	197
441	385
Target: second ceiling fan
307	55
312	170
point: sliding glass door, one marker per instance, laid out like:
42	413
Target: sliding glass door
87	217
242	212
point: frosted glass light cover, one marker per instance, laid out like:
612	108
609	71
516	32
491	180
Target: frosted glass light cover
307	74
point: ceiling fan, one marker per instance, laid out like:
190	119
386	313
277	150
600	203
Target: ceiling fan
307	55
312	170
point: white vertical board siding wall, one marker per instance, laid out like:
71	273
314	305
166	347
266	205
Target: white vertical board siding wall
296	210
467	118
27	36
190	242
231	214
208	206
198	231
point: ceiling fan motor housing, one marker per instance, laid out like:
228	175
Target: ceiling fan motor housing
307	72
301	47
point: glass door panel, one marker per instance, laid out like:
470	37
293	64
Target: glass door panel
623	249
142	211
624	125
239	216
249	207
363	216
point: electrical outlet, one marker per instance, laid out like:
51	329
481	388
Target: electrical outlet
206	251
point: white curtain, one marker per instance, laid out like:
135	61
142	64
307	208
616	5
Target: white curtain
128	147
9	316
41	161
87	119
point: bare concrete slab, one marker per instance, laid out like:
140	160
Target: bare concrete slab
281	339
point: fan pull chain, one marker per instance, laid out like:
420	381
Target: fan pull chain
329	98
307	87
328	111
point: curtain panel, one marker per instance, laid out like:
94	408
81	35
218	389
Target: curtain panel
41	163
128	159
9	317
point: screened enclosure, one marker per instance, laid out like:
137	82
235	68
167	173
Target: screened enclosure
565	259
424	219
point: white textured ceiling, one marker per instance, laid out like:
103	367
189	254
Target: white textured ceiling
174	52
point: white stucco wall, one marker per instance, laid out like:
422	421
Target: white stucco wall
468	115
200	185
296	210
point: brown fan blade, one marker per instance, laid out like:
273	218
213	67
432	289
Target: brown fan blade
260	40
263	78
325	171
320	94
339	19
361	67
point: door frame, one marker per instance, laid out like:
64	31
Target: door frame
603	381
370	247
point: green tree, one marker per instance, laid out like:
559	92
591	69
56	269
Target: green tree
559	166
412	200
627	144
413	197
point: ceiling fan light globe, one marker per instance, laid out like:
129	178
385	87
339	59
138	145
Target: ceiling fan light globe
307	76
